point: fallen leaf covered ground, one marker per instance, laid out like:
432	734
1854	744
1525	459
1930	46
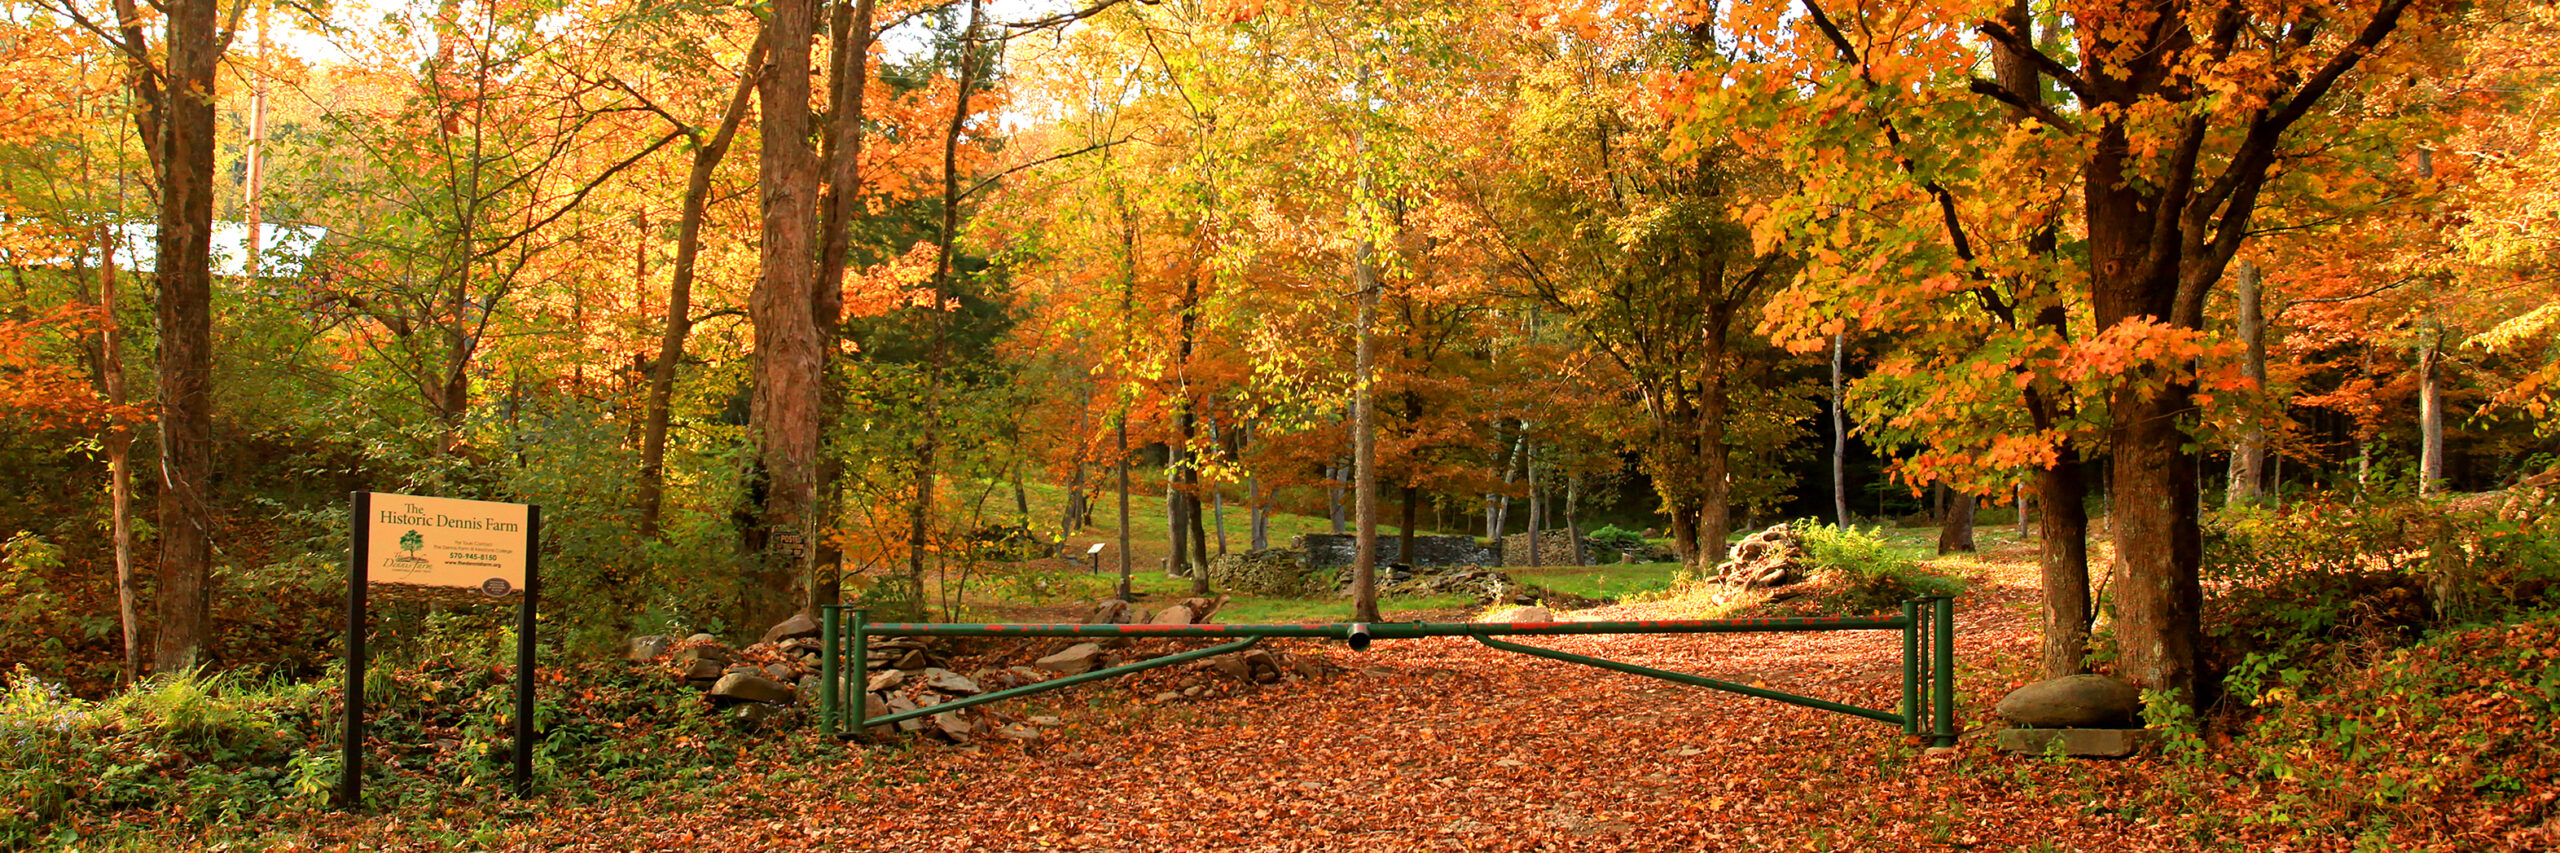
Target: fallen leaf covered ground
1449	745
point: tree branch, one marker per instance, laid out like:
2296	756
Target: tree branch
2062	74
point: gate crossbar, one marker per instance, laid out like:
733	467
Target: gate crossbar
1928	654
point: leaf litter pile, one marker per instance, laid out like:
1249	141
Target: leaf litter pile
1445	744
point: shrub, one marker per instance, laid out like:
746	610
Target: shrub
1614	537
1868	574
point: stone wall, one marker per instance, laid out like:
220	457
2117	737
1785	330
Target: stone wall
1328	550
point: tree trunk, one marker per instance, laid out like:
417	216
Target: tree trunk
1839	432
1364	402
1405	524
1537	513
184	271
2062	493
788	357
1258	514
1956	534
118	441
929	445
662	371
2248	455
1121	430
2431	415
1177	533
1573	527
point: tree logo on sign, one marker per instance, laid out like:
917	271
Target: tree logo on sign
411	542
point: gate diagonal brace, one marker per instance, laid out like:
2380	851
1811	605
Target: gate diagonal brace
1695	680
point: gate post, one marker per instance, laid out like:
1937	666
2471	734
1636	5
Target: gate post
1911	666
829	619
1943	657
859	671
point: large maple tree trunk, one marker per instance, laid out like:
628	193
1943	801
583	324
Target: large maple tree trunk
788	355
2062	558
2157	590
184	273
1955	533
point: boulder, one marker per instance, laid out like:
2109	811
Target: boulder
745	687
651	647
951	682
916	660
1175	615
778	672
796	627
887	679
700	639
1531	613
1078	658
2073	702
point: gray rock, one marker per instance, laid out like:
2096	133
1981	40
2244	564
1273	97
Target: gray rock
779	673
952	726
701	638
651	647
1265	665
1532	613
1175	615
874	707
2073	702
796	627
753	713
743	687
915	660
887	679
951	682
1078	658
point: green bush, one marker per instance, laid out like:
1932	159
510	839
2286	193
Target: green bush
1615	537
2326	584
1871	575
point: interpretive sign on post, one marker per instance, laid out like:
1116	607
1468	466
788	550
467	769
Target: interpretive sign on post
423	541
414	540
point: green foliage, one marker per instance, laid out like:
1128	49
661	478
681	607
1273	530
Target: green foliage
2325	582
1870	572
1613	536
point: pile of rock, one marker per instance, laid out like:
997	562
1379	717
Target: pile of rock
1555	548
751	684
1768	558
1484	585
1271	571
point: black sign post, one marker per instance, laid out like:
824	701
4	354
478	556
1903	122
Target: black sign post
359	563
524	652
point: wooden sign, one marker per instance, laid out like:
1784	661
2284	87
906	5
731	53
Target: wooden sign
424	541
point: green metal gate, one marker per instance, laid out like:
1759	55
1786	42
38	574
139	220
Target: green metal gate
1927	627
